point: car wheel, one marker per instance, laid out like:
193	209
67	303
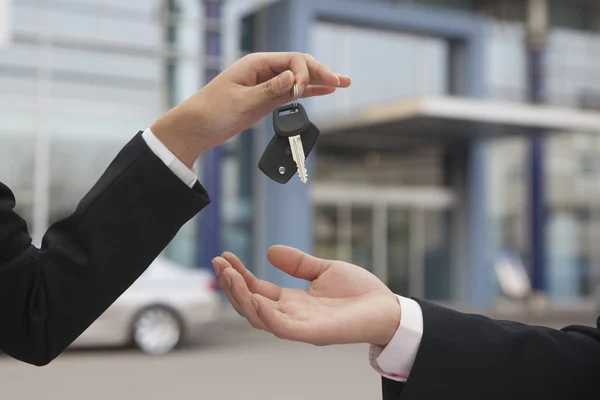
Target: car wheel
157	330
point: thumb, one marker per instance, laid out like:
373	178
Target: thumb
276	88
297	263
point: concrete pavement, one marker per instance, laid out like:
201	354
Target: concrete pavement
231	361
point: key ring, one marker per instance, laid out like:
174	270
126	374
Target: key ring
294	96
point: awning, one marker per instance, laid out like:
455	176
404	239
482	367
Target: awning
447	119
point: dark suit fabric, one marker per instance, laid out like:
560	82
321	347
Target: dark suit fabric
465	356
49	296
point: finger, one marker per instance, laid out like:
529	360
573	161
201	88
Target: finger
345	81
280	324
268	312
320	74
264	288
220	265
297	263
277	87
299	66
242	294
312	91
268	64
224	284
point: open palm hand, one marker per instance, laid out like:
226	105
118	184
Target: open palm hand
343	304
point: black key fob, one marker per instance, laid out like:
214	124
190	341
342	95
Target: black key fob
290	120
277	162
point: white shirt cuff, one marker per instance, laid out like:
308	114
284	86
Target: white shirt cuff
396	360
188	176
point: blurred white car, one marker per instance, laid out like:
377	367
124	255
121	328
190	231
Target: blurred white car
166	304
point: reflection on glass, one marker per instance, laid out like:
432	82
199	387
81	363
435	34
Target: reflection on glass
398	250
564	264
437	257
572	254
572	234
362	237
326	232
508	199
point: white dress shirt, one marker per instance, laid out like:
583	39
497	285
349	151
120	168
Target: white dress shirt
188	176
395	361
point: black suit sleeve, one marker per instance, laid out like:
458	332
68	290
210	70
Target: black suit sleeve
49	296
465	356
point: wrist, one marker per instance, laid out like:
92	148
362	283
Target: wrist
170	130
391	323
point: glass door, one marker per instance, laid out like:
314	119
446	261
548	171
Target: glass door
326	232
361	233
399	249
401	235
437	255
344	232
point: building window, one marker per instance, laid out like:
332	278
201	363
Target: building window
213	9
213	43
575	15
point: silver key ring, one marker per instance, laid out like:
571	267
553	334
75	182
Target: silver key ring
294	96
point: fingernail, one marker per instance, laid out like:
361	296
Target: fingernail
301	90
254	303
228	281
216	268
286	79
338	79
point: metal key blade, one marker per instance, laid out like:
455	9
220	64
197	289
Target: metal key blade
276	161
298	156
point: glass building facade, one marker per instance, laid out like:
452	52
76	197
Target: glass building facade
78	80
419	248
82	77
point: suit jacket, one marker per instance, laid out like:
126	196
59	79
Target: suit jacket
49	296
465	356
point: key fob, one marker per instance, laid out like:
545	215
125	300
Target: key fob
289	120
277	162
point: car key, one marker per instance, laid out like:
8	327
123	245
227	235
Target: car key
276	161
291	121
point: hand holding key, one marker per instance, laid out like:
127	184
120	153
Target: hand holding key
240	96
